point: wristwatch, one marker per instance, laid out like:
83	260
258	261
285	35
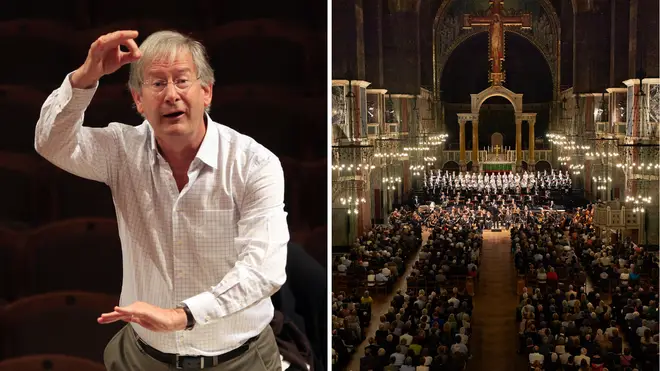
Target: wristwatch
190	320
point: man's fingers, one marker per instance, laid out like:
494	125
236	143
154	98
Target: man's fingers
129	56
115	39
112	317
125	310
132	47
134	311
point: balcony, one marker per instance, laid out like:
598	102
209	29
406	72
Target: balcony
623	218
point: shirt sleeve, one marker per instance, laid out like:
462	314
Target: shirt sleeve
61	138
262	238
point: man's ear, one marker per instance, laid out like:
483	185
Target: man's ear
137	98
208	94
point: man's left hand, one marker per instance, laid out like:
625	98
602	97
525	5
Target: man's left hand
148	316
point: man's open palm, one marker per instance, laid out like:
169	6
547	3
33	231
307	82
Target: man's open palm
148	316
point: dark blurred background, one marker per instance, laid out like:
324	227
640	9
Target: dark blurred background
59	250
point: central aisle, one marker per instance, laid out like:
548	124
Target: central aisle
494	340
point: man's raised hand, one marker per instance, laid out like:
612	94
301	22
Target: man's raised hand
106	57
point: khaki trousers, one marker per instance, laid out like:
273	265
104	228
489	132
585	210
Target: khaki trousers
123	353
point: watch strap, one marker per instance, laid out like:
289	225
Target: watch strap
190	320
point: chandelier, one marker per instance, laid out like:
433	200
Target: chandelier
638	203
353	204
417	170
391	183
352	157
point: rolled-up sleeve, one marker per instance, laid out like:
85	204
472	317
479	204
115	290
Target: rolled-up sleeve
263	235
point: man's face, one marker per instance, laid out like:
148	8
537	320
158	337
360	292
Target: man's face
172	98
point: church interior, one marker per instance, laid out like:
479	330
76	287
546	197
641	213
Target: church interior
495	184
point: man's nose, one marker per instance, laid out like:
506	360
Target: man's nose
171	93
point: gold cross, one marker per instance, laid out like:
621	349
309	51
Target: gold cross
497	149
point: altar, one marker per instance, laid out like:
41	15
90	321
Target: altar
497	159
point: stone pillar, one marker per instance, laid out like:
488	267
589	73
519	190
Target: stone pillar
532	162
632	38
439	114
400	38
373	42
348	40
519	156
408	124
591	47
364	216
632	113
475	143
461	145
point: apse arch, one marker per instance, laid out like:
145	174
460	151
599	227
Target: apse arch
474	32
527	71
546	38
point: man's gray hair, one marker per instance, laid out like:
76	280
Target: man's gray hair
166	45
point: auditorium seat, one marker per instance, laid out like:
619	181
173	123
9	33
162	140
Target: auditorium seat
38	40
26	189
78	254
81	198
103	13
11	242
251	28
21	106
54	10
50	362
58	323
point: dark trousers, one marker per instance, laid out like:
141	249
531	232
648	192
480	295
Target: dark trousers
304	298
123	353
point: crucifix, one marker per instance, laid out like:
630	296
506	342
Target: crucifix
497	149
496	21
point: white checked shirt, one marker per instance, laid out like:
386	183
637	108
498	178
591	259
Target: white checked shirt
219	245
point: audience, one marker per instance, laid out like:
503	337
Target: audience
562	325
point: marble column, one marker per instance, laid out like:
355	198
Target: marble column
519	156
531	162
475	143
461	144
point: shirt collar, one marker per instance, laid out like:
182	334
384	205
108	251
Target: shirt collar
208	150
